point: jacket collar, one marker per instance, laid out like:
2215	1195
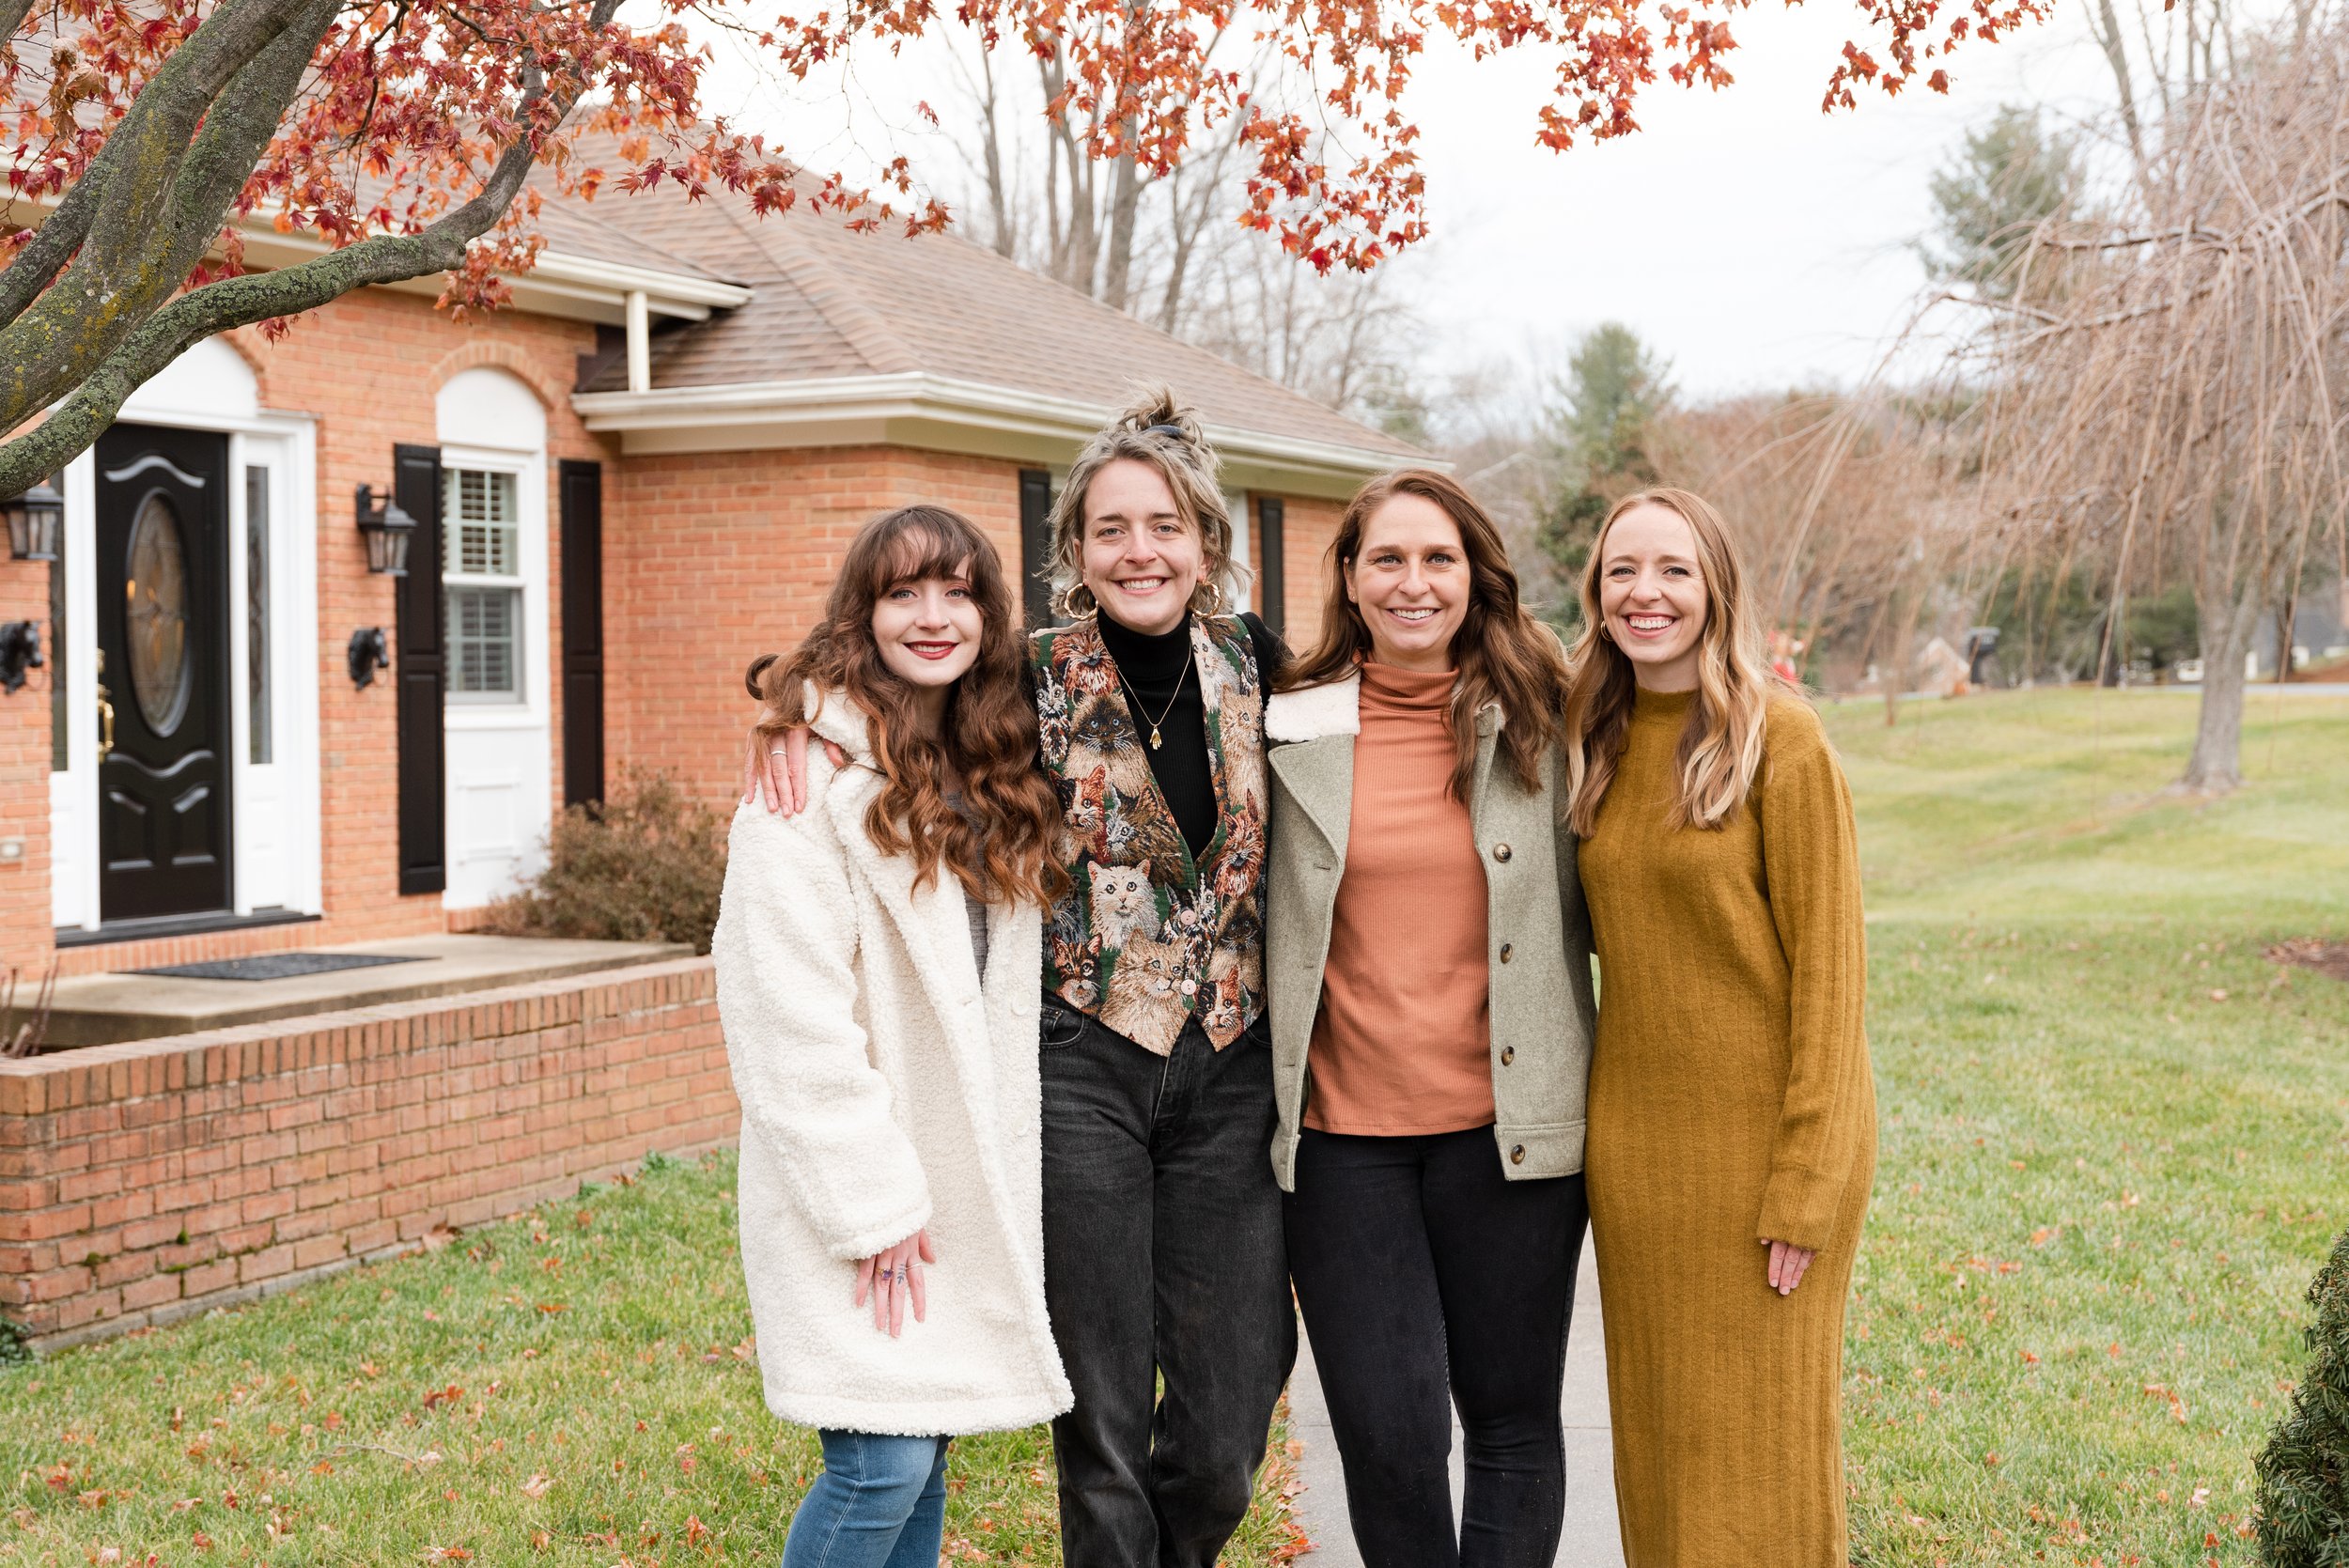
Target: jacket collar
1335	707
836	718
1316	712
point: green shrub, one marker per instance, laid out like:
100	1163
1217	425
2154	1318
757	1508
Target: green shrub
2304	1472
13	1346
645	865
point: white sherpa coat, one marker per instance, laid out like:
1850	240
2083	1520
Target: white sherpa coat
884	1087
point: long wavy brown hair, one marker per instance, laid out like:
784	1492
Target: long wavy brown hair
1504	655
1721	748
987	741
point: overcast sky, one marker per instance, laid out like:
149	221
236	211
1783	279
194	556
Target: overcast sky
1755	242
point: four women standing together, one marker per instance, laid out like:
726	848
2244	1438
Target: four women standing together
1366	951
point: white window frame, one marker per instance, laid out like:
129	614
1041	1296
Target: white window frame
527	615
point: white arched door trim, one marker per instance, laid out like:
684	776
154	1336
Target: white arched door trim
498	715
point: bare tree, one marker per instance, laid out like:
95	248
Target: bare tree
2168	379
1167	244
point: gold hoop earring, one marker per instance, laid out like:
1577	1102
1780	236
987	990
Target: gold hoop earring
1068	600
1214	591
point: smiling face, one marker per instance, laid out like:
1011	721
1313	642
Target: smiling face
928	631
1141	558
1652	597
1410	582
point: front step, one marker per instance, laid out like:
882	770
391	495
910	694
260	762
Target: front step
103	1009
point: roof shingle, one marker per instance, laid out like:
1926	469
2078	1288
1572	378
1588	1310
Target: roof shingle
828	301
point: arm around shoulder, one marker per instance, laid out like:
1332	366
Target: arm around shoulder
786	959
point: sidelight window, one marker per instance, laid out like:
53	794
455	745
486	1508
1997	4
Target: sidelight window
482	573
257	649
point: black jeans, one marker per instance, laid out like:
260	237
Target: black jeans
1427	1278
1163	1257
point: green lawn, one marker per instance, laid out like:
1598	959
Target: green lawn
569	1388
2112	1160
2114	1135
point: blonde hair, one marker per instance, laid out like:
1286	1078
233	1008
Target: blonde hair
1167	436
1720	748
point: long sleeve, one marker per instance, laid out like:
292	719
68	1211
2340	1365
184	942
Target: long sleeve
1811	858
786	948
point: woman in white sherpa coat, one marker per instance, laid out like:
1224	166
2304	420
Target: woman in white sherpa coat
877	960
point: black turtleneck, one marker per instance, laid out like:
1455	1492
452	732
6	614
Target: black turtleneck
1162	689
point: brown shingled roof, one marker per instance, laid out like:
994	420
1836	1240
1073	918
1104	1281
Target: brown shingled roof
826	302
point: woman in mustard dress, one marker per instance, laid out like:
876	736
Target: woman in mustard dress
1731	1109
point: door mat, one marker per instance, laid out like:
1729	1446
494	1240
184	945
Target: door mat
277	966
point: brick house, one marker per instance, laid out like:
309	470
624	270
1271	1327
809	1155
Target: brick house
625	486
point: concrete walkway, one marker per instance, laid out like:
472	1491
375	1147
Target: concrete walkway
1590	1540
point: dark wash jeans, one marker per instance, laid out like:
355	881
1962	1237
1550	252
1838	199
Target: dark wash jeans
1427	1278
1163	1257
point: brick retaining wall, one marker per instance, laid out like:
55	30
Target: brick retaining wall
143	1182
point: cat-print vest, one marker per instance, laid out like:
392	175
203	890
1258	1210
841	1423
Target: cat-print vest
1146	937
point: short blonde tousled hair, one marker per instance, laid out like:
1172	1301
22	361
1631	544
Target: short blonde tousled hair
1165	434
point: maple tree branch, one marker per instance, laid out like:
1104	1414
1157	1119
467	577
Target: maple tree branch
195	76
13	15
195	137
170	332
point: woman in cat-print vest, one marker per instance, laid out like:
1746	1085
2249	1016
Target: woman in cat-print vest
1163	1249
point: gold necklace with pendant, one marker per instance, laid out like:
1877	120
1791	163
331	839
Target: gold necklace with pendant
1188	661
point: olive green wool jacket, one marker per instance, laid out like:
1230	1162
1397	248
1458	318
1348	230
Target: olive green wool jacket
1543	1014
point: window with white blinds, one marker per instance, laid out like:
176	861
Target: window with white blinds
482	569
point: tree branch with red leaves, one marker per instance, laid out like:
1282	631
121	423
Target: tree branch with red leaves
401	135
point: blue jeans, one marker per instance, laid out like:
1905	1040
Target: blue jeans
881	1503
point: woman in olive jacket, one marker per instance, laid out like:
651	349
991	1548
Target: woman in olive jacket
1428	964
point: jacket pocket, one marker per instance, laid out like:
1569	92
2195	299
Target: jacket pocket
1532	1150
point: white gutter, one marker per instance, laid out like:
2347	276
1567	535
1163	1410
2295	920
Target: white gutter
556	272
828	401
622	278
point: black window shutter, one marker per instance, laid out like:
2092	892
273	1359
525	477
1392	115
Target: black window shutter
422	667
1036	545
1271	582
581	487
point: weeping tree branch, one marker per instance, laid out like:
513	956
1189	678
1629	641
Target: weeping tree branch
152	343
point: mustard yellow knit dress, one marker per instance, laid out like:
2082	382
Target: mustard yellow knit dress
1731	1100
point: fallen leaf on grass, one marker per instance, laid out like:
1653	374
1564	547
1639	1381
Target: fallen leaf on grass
448	1554
538	1485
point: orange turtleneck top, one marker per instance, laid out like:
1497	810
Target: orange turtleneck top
1400	1044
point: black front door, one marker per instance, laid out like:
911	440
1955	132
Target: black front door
162	672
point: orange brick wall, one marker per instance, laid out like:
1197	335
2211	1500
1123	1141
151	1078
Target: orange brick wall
25	903
1307	529
713	558
141	1183
368	367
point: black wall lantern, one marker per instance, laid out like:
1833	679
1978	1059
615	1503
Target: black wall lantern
387	530
367	653
33	521
19	651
